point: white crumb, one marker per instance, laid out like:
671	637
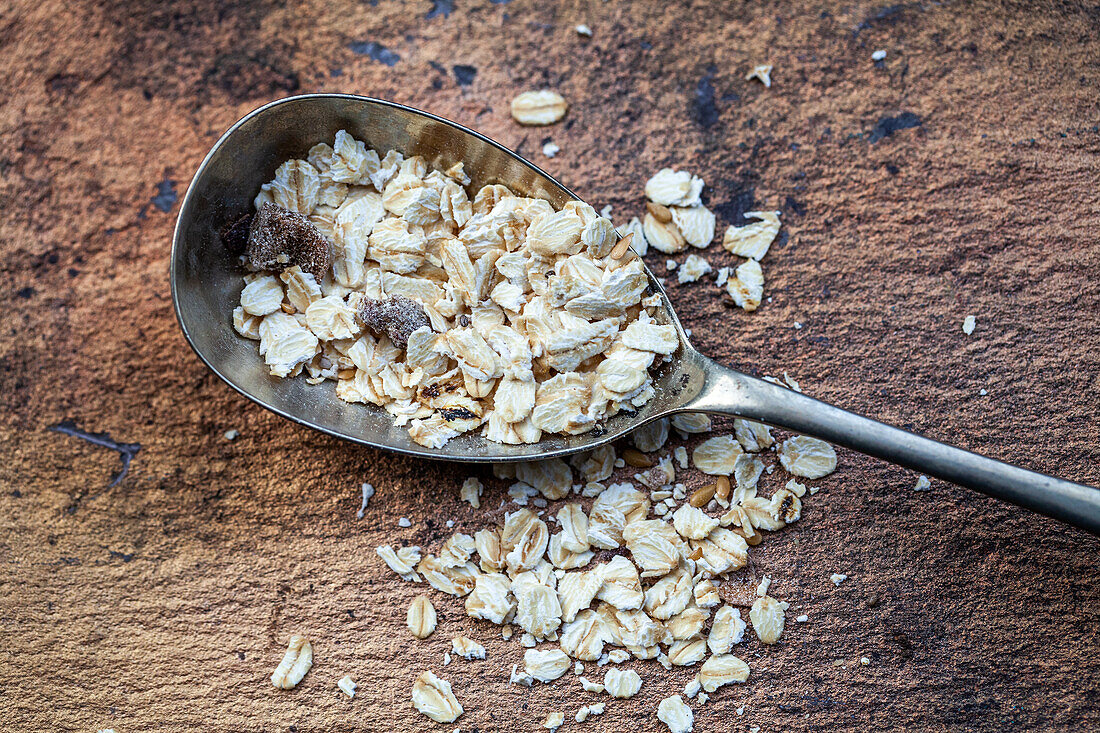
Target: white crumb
368	492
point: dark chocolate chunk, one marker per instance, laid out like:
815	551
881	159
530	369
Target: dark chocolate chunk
279	239
397	317
235	236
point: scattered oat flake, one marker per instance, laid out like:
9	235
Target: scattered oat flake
752	240
583	30
923	484
802	619
622	683
767	619
838	578
471	491
546	666
864	661
550	149
763	72
543	107
878	55
404	522
296	662
807	457
969	324
421	618
694	267
554	721
720	670
716	456
434	698
674	712
232	434
746	287
467	648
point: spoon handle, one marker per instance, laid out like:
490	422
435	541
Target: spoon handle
733	393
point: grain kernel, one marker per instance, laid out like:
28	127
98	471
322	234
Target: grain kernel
702	495
637	459
660	212
722	488
622	247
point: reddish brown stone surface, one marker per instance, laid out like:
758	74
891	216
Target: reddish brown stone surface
165	602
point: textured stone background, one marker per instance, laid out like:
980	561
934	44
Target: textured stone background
164	602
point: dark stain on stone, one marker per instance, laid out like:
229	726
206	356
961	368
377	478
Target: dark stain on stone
127	451
703	108
742	200
16	494
62	84
245	75
464	75
794	207
887	126
887	15
166	195
123	556
441	7
376	52
24	293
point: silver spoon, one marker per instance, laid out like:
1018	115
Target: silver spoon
206	283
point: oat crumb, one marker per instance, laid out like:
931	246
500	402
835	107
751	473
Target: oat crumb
347	684
763	72
864	661
923	484
762	588
838	578
969	324
802	619
550	149
583	30
878	55
404	522
232	434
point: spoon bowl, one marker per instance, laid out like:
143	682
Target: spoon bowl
206	276
206	283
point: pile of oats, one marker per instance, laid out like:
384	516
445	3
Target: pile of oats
451	312
676	218
590	569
